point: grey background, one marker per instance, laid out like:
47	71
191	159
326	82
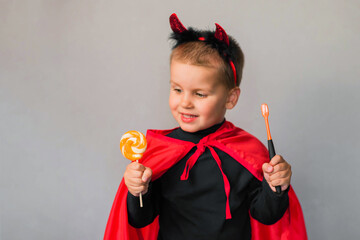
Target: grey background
75	75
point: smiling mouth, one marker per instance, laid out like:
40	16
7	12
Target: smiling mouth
187	118
188	115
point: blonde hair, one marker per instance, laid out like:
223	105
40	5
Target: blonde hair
202	54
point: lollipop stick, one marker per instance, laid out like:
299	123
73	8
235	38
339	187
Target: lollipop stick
141	202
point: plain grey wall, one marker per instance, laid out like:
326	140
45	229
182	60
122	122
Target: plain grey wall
75	75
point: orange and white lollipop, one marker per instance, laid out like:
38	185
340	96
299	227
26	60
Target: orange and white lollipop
133	145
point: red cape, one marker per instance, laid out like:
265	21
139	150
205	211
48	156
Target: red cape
163	152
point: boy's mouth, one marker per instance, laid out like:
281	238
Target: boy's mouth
188	117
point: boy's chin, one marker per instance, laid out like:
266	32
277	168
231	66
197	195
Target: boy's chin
195	126
191	128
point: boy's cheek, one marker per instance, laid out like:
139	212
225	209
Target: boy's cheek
174	101
172	105
171	101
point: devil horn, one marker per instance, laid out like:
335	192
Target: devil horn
176	25
221	35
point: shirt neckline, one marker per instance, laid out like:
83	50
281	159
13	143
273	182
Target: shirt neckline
194	137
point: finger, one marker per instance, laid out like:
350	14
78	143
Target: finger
136	166
146	177
130	173
266	174
135	182
283	166
133	174
134	170
280	178
279	175
276	159
137	190
283	182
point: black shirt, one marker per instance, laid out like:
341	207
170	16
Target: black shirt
195	208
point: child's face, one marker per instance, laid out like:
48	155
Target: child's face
197	98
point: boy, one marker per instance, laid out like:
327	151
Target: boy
205	177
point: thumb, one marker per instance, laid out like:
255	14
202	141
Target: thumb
267	168
146	177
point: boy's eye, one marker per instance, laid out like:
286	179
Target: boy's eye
178	90
201	95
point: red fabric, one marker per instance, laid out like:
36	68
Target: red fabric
163	152
201	146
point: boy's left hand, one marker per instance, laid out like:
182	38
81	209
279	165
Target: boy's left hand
277	173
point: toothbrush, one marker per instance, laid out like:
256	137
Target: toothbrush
265	113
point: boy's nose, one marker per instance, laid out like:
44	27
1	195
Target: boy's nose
186	102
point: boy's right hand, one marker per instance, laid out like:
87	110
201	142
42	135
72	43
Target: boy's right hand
137	178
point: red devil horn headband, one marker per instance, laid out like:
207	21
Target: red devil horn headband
176	25
219	34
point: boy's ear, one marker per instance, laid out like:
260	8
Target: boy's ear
233	97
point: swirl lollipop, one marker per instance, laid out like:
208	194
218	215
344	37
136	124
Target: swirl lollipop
133	145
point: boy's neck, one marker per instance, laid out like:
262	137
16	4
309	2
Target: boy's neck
197	136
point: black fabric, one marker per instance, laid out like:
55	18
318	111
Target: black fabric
195	208
226	52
